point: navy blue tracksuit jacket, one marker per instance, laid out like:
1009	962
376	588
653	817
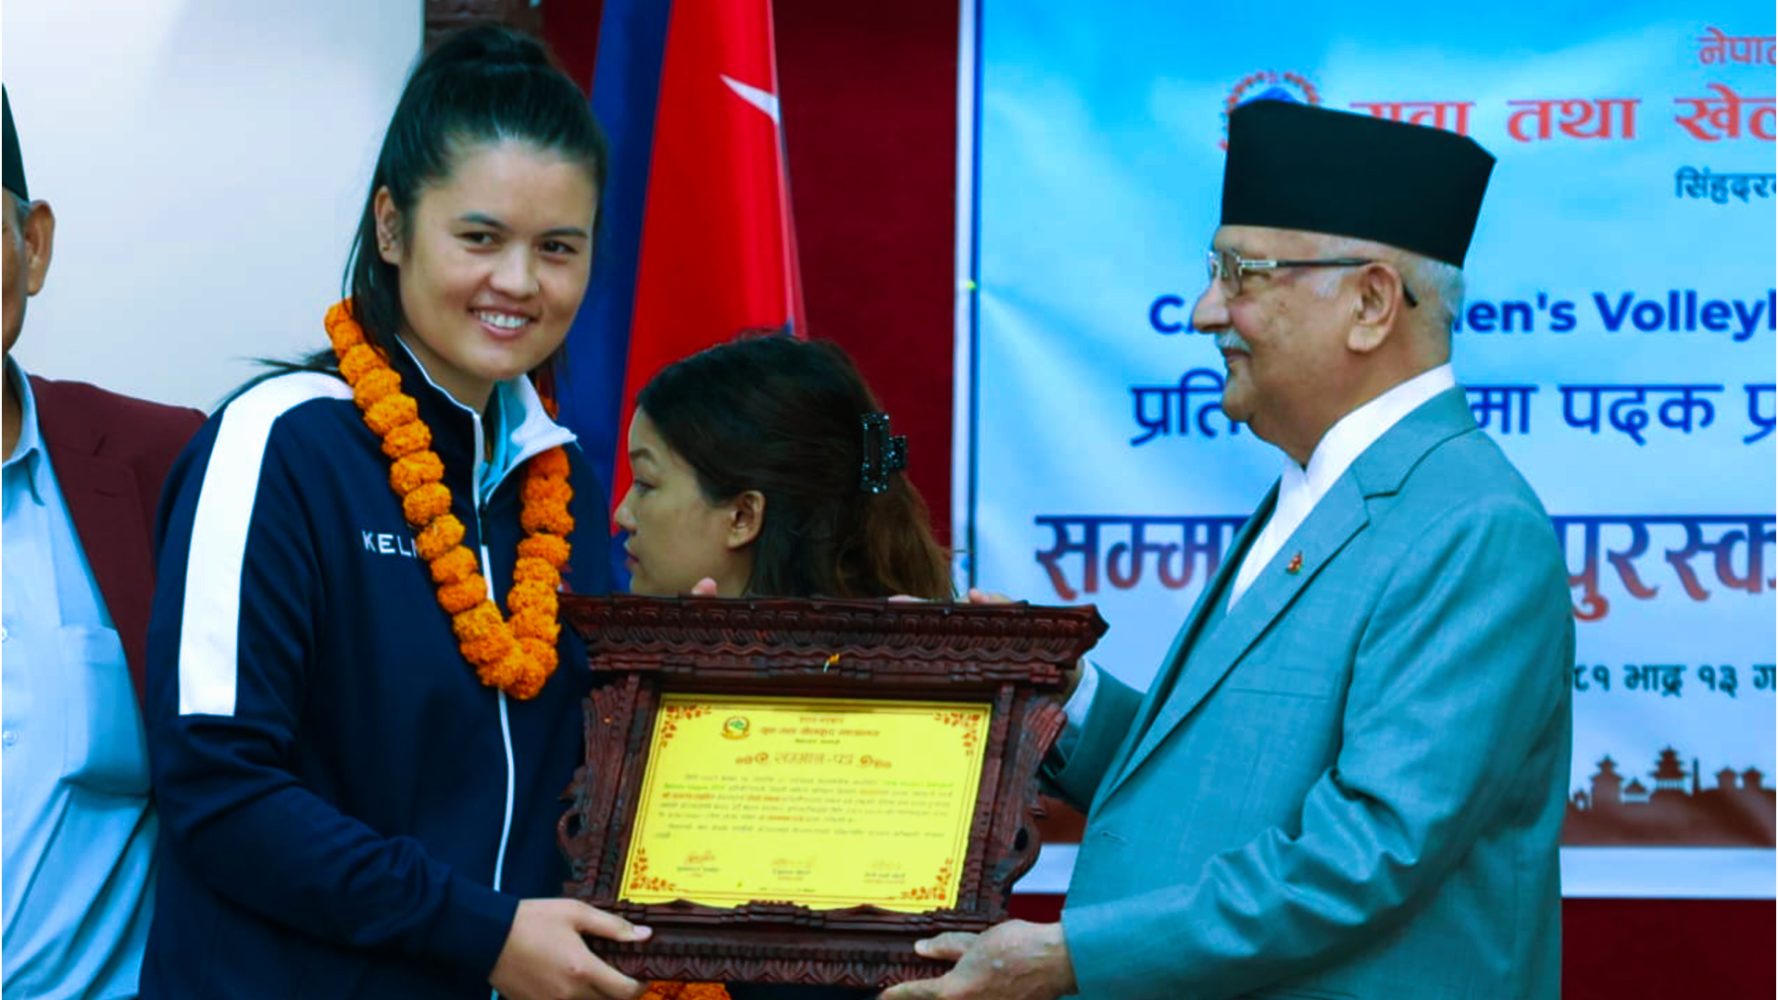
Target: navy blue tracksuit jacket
346	810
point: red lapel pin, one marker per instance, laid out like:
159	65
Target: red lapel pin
1295	565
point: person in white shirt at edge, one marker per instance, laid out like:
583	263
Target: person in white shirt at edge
1348	778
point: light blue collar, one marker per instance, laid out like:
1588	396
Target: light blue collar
522	427
28	454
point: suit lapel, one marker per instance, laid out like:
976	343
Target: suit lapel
1203	617
104	502
1338	517
1214	647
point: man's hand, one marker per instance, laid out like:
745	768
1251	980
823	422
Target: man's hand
1016	960
704	588
979	596
546	956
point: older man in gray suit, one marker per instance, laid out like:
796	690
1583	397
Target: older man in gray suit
1348	778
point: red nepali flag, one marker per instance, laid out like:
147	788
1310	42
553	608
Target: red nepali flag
697	241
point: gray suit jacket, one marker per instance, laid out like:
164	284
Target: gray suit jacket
1350	785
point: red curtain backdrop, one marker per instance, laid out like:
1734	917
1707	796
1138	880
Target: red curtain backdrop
869	103
869	99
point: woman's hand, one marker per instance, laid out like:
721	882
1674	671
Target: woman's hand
546	955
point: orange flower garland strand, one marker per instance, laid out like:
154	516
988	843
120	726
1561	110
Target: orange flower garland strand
663	990
517	656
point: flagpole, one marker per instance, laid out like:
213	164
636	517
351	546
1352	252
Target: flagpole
965	307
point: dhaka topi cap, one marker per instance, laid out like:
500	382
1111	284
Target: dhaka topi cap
14	163
1295	166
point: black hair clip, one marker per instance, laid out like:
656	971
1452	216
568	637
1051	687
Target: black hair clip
883	453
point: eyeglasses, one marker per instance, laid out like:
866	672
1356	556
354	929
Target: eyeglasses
1227	266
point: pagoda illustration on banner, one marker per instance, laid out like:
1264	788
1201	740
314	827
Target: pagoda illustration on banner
1738	810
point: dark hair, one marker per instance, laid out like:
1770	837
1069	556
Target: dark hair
782	416
484	84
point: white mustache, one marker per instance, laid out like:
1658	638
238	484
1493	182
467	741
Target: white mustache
1229	340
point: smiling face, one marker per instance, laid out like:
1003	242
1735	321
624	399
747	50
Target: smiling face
494	263
677	535
1279	337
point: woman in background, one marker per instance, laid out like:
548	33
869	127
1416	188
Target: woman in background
765	465
358	730
764	468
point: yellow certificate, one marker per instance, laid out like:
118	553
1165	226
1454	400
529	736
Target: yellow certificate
819	801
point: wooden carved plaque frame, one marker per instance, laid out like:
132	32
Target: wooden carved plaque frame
1010	657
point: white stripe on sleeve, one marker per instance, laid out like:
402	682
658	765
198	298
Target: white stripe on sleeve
210	621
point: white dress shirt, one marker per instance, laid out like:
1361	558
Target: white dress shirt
1301	488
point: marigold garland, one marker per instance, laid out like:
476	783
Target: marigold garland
519	655
665	990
